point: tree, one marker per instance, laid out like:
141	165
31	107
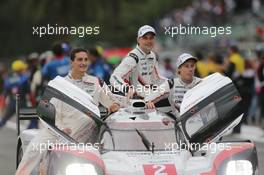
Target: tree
118	21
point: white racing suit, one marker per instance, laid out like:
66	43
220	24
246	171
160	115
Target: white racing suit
82	128
139	70
174	90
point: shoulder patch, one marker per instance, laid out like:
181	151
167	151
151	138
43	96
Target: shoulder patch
134	56
171	83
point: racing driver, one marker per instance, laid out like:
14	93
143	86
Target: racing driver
70	120
175	88
138	73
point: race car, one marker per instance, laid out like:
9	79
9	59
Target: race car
140	141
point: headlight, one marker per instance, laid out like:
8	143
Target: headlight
239	167
80	169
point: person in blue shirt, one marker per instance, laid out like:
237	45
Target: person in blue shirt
98	66
60	65
16	83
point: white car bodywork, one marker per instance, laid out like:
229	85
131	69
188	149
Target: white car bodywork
212	157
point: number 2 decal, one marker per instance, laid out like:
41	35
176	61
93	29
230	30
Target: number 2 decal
159	169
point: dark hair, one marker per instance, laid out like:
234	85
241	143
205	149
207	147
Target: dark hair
57	48
77	50
94	52
199	55
234	49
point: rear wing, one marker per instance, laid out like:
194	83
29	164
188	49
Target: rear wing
23	113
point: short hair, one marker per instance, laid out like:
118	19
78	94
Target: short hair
57	48
77	50
234	49
93	51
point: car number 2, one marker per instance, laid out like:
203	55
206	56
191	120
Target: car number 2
159	169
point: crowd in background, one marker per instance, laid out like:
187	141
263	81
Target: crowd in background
30	75
207	12
243	17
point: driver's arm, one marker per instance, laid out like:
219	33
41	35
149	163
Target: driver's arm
122	73
158	79
161	92
105	98
144	91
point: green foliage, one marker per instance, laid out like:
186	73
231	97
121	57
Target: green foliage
118	21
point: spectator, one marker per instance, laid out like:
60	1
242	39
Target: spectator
37	83
247	88
166	69
60	65
236	64
17	83
235	69
260	89
33	66
98	67
3	75
201	66
32	62
214	64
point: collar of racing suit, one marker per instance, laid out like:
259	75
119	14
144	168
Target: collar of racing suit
71	78
86	84
187	84
141	51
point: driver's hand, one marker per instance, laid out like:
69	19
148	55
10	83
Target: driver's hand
130	93
113	108
150	105
67	130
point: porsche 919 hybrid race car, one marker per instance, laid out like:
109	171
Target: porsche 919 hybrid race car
139	141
